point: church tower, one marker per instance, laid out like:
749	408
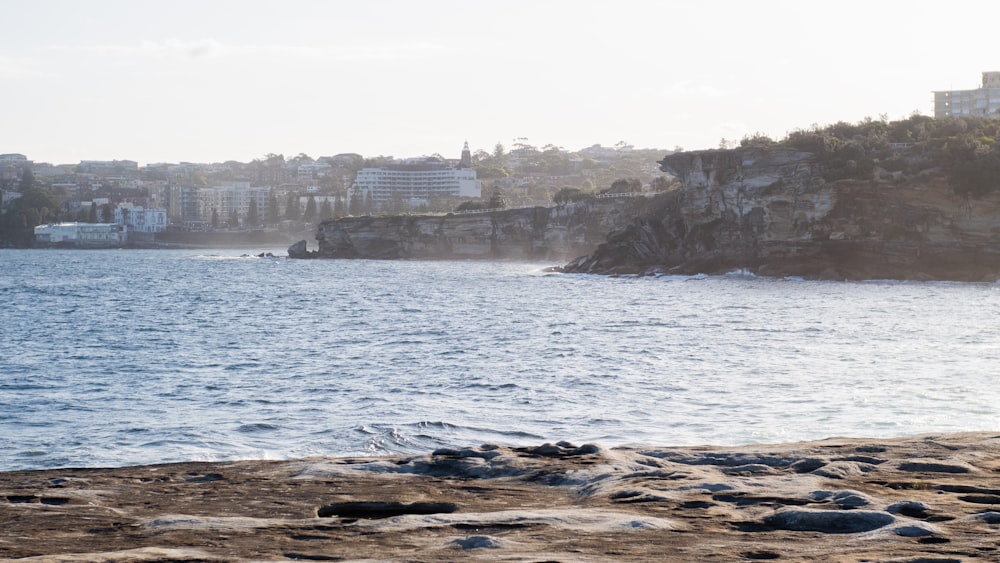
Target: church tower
466	161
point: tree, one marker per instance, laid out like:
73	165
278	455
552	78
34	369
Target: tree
757	140
272	209
326	210
234	219
92	215
470	205
107	213
292	209
310	212
338	205
27	180
355	202
215	218
568	194
253	215
497	200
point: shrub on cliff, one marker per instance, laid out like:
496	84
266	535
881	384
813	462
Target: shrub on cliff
569	195
977	176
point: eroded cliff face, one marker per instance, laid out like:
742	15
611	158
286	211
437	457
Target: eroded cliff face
539	233
770	212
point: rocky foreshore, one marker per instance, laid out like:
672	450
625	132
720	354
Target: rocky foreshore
929	498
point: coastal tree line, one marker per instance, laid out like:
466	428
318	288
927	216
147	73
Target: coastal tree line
965	149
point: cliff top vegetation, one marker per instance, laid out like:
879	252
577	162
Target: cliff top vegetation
966	149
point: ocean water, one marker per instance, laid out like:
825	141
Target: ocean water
130	357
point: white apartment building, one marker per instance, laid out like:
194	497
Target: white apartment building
417	181
141	220
981	102
224	200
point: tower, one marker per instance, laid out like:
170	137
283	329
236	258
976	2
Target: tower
466	161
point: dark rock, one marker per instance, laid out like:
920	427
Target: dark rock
981	499
915	531
850	499
383	509
807	465
298	250
910	508
206	478
931	467
556	450
990	517
465	452
829	521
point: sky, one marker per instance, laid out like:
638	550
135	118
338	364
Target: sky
216	80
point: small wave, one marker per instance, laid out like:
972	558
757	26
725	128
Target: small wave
257	427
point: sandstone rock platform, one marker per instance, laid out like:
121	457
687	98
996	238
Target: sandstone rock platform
928	498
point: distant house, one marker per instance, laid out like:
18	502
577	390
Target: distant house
981	102
90	235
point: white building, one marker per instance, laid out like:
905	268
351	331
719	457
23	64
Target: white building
224	201
141	220
981	102
96	235
417	181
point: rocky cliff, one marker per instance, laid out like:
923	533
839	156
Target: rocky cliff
769	211
539	233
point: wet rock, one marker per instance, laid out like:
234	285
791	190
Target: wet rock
910	508
807	465
843	499
829	521
990	517
478	542
383	509
298	250
933	467
467	452
561	449
851	499
918	530
980	499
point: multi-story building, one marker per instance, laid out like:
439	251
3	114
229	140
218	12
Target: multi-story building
138	219
226	201
981	102
182	204
415	182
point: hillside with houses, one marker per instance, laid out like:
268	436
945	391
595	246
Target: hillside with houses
183	201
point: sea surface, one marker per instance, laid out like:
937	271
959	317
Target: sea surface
124	357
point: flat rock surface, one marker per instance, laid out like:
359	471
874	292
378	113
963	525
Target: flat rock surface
929	498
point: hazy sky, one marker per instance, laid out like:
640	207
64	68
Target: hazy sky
205	81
